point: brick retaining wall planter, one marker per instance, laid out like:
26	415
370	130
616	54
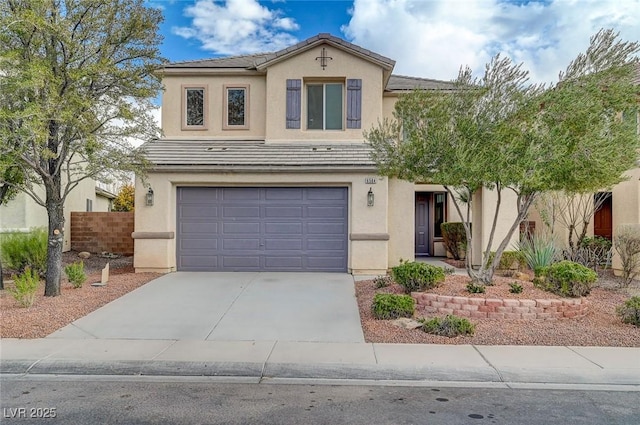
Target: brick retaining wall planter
496	308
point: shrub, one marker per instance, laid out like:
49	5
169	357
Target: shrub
627	243
26	285
475	288
566	278
629	312
392	306
509	260
75	274
415	276
382	281
538	251
449	326
22	250
454	238
515	288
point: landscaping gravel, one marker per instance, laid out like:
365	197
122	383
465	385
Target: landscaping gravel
600	327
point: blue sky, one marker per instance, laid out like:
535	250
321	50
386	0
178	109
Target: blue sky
426	38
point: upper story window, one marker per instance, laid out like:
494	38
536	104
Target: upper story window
236	107
324	106
194	107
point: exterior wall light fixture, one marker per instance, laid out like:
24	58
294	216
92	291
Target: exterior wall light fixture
149	197
370	198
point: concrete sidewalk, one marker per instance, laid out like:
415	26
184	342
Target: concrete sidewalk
510	366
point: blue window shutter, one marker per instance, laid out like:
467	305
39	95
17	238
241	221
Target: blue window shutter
294	100
354	103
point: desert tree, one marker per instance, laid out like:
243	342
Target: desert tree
77	79
502	133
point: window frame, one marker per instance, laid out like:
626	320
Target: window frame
324	84
225	109
205	107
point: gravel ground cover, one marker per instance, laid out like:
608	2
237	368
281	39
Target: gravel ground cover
600	327
49	314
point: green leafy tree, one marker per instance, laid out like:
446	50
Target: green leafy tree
501	133
77	78
125	201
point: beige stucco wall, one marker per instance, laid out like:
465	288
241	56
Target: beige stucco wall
23	213
483	210
365	256
625	206
214	99
304	66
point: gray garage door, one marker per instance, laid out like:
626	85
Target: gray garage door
271	229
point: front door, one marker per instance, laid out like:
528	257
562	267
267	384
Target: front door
603	219
423	245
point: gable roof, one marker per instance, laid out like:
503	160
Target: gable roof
404	83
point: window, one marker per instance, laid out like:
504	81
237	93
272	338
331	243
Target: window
324	106
89	205
194	108
236	111
439	212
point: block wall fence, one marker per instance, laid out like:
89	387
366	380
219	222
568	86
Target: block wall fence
102	231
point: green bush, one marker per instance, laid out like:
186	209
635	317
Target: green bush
22	250
509	260
392	306
629	312
26	285
597	243
475	288
515	288
449	326
417	276
566	279
454	238
75	274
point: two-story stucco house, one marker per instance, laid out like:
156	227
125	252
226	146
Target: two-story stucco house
263	166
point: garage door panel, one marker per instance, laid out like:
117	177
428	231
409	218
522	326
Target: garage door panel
284	193
283	228
283	244
241	212
241	244
326	244
199	244
198	211
283	211
293	262
199	261
326	212
198	228
241	262
240	228
326	194
253	229
326	228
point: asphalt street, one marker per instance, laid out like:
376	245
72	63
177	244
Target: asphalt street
155	400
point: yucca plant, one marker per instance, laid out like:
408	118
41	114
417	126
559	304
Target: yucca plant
539	250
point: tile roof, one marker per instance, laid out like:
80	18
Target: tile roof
167	154
401	82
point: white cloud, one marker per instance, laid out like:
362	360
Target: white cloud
434	38
237	27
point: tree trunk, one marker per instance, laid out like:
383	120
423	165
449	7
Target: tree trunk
55	211
1	278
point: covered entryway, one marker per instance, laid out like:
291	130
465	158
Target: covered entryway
430	213
262	229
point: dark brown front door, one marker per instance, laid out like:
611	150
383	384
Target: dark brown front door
423	245
603	219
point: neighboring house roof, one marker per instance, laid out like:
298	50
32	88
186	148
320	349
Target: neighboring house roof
104	193
404	83
233	154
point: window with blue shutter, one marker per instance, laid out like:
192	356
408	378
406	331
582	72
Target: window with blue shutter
294	100
354	103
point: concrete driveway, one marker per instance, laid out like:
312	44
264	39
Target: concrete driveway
316	307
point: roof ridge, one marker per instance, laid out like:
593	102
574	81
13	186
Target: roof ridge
247	55
420	78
